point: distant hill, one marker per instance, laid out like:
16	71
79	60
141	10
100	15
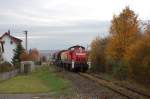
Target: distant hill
47	53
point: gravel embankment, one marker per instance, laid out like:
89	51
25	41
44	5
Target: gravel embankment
87	89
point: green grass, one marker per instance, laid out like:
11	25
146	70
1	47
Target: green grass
40	81
52	80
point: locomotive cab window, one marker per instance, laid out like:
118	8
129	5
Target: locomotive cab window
72	49
80	49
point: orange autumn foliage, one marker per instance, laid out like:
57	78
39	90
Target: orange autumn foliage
138	57
25	56
127	51
32	56
97	54
124	31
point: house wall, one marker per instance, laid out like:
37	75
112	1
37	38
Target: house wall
8	48
1	52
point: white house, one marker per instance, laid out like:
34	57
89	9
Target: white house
9	43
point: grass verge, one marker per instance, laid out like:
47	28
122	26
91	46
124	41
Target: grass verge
42	80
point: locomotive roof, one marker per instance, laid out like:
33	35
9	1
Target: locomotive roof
76	46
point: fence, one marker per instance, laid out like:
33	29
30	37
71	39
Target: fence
7	75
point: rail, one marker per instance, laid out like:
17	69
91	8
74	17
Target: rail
127	92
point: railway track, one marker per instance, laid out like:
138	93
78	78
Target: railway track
126	87
122	90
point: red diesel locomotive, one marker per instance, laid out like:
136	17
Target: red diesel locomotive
74	58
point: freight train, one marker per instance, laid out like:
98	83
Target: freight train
73	59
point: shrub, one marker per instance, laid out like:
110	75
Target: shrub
97	54
34	55
138	58
38	63
24	56
110	63
6	67
120	70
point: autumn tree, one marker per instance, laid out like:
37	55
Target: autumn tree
34	55
97	54
124	30
138	57
25	56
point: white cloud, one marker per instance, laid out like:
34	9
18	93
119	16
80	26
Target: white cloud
62	23
54	12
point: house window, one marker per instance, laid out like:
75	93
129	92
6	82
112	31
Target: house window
11	42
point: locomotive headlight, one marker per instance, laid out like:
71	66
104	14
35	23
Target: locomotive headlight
89	63
72	64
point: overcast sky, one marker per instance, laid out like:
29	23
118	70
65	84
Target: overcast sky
57	24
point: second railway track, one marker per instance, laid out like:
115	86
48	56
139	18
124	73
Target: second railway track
127	92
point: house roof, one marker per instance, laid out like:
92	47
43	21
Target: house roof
12	37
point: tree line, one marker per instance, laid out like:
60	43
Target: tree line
125	53
20	54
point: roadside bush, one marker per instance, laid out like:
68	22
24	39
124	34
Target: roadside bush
6	67
38	63
24	56
120	70
34	55
97	54
110	64
138	58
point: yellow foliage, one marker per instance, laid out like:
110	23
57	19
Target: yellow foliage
124	31
97	53
138	57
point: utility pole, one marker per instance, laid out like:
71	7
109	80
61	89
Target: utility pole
26	40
